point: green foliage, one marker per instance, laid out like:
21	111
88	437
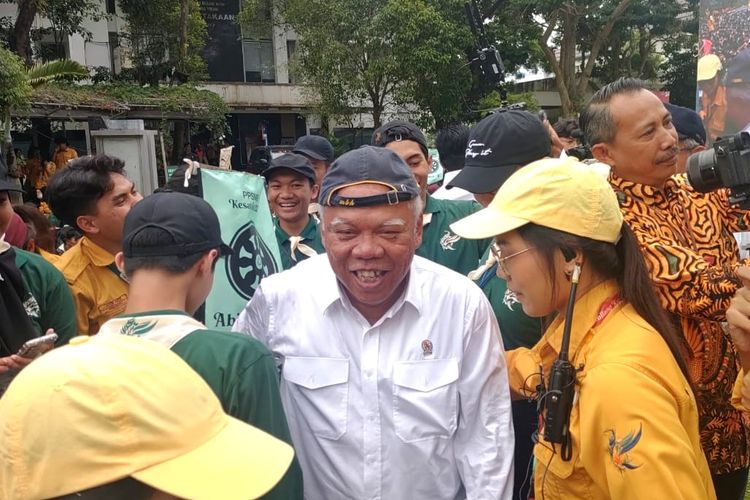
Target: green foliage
359	55
14	84
492	101
152	39
67	17
42	73
200	105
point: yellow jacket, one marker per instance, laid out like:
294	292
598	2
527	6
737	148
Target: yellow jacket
61	158
634	424
99	294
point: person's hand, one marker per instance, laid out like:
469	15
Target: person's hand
556	147
738	318
13	362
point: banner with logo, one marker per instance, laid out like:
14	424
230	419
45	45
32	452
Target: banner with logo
246	226
724	67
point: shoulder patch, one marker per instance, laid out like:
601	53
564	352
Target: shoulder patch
618	449
448	240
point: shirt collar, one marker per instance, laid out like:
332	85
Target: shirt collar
584	317
432	205
646	192
308	232
96	254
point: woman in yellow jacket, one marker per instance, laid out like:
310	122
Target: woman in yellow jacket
632	430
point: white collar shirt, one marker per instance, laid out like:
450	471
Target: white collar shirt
415	406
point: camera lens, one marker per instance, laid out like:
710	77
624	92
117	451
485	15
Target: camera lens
701	171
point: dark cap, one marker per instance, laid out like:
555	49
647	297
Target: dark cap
687	123
738	68
373	165
398	130
190	222
5	184
291	161
497	145
316	147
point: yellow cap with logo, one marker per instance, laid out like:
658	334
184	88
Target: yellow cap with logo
561	194
90	414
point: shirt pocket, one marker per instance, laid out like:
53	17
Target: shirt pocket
320	390
425	399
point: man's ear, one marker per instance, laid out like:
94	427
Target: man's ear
602	154
120	262
87	224
206	263
315	191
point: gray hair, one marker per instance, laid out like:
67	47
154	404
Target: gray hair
689	144
596	120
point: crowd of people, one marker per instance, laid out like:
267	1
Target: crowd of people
576	329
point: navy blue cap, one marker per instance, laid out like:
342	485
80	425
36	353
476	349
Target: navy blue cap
738	68
291	161
368	165
316	147
687	123
190	222
399	130
497	145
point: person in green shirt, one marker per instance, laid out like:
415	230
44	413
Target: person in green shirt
499	145
34	297
171	244
439	243
291	187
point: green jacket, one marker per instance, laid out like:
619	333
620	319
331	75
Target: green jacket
441	245
310	237
239	369
49	302
516	328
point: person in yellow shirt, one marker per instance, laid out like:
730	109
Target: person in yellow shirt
64	153
93	195
624	422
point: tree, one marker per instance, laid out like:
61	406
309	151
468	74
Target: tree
65	16
14	88
587	41
411	56
164	36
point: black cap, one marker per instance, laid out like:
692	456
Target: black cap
190	222
497	145
738	68
316	147
398	130
368	164
5	184
291	161
687	123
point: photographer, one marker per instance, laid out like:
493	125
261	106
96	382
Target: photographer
686	238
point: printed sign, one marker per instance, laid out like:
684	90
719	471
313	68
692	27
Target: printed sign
246	226
724	67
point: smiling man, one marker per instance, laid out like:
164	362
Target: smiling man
291	187
93	195
393	372
687	240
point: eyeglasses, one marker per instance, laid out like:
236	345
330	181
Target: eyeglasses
502	262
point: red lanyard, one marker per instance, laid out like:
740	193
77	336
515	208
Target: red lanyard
607	307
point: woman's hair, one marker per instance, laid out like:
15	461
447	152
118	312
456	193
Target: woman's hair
44	233
622	262
123	489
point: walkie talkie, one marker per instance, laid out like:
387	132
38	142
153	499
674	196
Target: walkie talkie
561	387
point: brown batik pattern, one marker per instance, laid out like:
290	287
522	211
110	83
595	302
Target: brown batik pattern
687	240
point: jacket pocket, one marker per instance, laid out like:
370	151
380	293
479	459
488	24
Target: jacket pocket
425	399
320	390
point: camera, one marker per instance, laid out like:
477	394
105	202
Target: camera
726	165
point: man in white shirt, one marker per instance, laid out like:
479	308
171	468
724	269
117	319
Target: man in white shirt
393	372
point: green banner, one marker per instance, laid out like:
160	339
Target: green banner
246	225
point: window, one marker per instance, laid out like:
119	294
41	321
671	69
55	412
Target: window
259	64
111	7
291	48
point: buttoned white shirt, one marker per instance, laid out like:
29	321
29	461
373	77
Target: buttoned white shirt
415	406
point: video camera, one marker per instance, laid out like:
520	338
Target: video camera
726	165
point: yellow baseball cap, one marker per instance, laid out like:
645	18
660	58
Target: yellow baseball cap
708	66
99	410
561	194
